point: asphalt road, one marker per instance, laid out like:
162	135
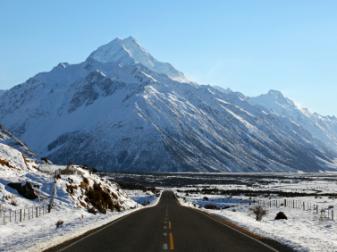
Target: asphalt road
166	227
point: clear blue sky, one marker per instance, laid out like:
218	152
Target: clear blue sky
249	46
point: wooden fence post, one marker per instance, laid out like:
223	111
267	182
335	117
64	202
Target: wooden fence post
332	214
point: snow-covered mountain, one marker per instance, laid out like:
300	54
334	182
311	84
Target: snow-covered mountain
323	128
121	109
128	51
7	138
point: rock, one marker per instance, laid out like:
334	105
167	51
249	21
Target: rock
281	216
26	190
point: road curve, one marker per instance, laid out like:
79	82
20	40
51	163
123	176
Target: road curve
166	227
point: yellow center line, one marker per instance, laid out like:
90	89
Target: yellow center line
170	226
171	241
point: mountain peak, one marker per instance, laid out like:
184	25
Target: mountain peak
127	51
119	50
275	93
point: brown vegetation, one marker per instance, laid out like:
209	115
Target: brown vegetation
101	199
6	163
259	212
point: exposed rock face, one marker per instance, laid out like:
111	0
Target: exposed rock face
26	190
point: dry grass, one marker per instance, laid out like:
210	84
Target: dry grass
102	199
71	188
6	163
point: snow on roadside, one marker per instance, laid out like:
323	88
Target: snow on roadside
143	198
41	233
77	192
303	231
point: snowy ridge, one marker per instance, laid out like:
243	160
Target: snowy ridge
127	51
323	128
7	138
119	111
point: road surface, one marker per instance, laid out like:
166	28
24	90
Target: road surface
166	227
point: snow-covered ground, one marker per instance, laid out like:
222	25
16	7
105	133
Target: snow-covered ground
305	230
143	198
82	201
41	233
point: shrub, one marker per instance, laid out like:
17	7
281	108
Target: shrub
281	216
102	199
212	206
6	163
259	212
69	170
59	223
92	210
71	188
84	183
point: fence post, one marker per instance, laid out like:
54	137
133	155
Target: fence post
332	214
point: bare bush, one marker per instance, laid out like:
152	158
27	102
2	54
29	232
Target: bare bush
59	223
259	212
212	206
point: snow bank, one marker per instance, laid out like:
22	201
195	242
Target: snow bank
303	231
77	193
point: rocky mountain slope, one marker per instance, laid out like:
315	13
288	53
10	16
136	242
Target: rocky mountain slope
121	109
323	128
7	138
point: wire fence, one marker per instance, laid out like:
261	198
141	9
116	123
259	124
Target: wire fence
23	214
325	212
